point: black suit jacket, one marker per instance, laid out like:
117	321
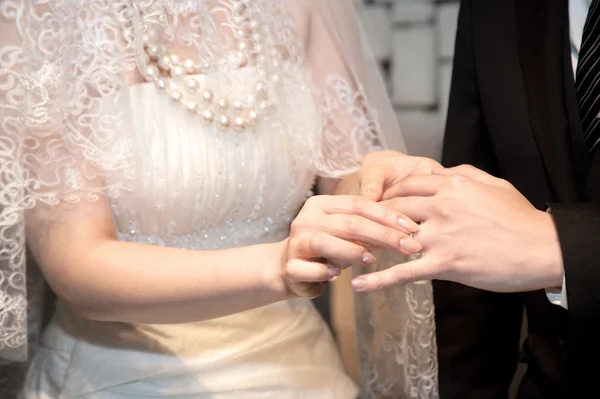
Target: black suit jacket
513	112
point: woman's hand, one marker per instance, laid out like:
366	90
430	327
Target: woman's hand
334	232
382	173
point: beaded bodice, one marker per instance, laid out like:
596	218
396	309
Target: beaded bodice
202	188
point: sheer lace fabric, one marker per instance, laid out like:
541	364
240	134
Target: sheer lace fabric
78	123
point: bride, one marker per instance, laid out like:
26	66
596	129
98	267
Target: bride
154	155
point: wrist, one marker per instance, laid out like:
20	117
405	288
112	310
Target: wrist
272	277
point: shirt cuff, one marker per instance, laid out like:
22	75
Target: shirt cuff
558	297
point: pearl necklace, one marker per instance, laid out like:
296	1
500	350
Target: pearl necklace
166	69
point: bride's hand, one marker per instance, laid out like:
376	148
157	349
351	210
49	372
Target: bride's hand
333	232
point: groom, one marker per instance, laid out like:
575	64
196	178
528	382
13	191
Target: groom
522	225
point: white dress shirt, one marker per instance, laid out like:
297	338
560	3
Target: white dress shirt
578	10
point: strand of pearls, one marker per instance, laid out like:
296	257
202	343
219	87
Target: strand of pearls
175	77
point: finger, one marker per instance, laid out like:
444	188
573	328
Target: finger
339	253
468	171
369	233
371	181
417	186
415	208
351	205
302	271
418	270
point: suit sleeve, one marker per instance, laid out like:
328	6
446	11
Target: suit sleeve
578	229
477	331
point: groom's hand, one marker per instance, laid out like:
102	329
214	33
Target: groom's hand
381	173
477	230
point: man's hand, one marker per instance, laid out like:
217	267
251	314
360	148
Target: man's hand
381	173
476	230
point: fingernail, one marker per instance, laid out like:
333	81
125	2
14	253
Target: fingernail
409	245
368	258
359	283
333	271
367	192
408	224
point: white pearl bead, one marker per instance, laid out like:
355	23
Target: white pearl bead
205	67
207	95
152	71
223	103
260	86
176	95
237	105
244	33
224	121
263	105
189	65
207	116
192	84
239	124
149	36
175	59
164	63
275	78
177	71
256	36
258	48
254	24
242	46
161	84
239	7
154	52
241	19
128	33
252	117
192	106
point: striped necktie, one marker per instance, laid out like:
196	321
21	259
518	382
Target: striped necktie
587	81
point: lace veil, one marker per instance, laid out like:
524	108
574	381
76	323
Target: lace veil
65	136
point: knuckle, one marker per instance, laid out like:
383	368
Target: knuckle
390	237
504	183
368	157
351	225
297	224
389	216
442	208
359	205
456	181
314	202
318	242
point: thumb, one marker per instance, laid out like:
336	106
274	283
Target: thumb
417	270
371	183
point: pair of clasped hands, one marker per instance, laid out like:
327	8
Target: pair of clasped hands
469	227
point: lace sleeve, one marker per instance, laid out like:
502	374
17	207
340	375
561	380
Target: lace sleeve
62	139
356	114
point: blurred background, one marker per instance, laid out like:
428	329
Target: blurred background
414	42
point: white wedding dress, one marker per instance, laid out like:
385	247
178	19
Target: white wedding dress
202	190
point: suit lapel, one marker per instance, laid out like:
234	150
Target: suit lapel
542	33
